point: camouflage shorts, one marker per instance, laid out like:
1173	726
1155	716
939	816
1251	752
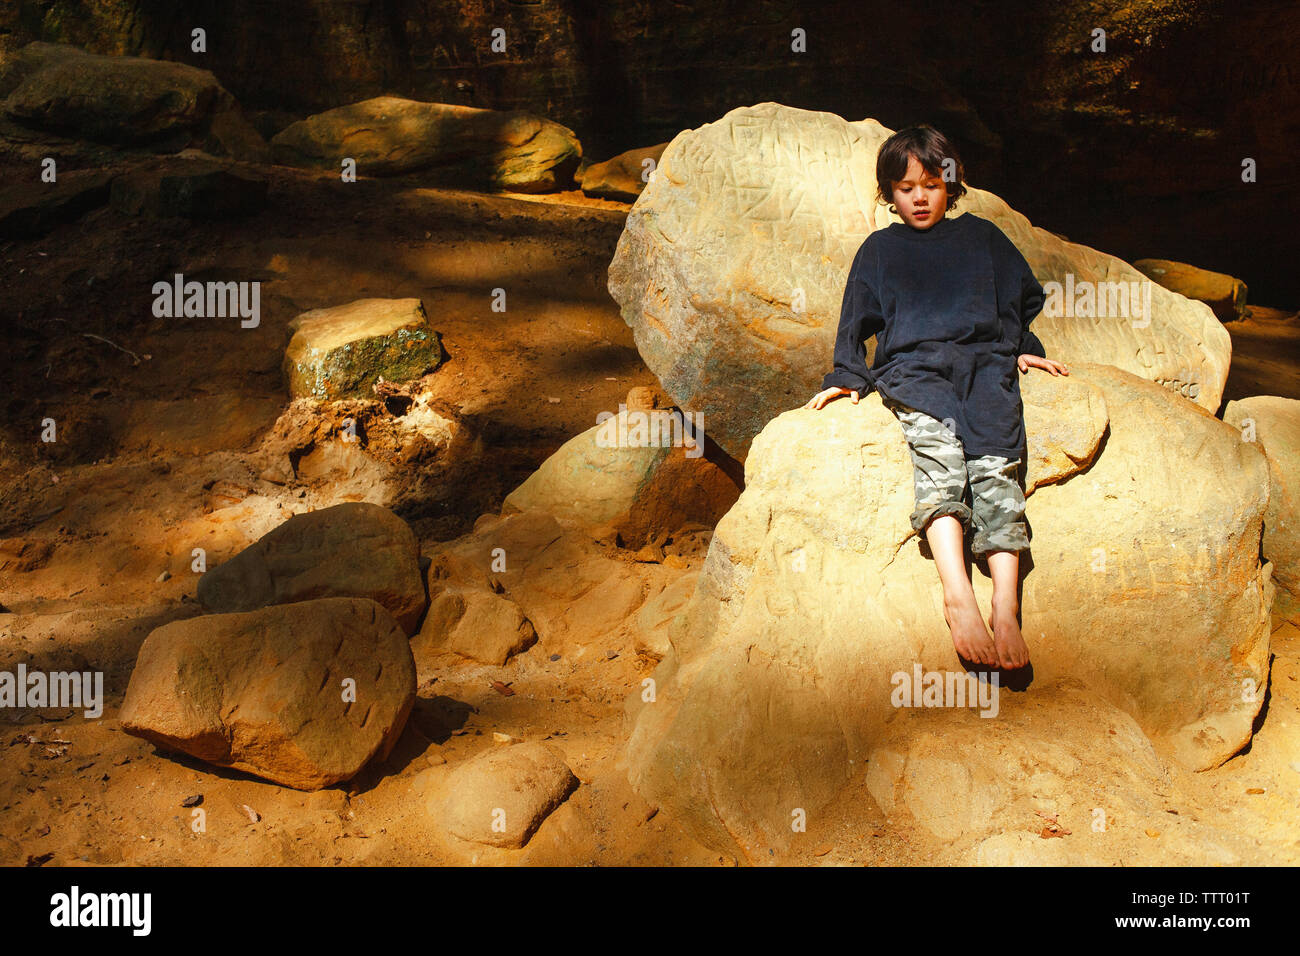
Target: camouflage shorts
940	471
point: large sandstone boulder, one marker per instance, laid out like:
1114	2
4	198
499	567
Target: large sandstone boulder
304	695
502	796
342	351
1145	583
356	549
642	471
126	100
1274	423
389	136
732	266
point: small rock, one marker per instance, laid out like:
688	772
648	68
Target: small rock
501	797
343	351
620	178
193	801
478	624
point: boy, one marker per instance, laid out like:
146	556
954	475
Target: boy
950	301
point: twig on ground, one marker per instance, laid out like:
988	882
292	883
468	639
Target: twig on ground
100	338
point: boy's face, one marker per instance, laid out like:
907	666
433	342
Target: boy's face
920	197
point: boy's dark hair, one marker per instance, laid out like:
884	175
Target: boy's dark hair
931	148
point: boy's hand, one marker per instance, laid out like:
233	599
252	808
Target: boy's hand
1026	362
824	396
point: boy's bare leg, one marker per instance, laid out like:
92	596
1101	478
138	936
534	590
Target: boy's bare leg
1004	567
969	635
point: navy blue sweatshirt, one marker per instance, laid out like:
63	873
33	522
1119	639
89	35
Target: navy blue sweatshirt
950	307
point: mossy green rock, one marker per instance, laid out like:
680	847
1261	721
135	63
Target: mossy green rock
128	101
341	352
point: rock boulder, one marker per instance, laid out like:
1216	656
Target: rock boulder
389	136
1222	293
732	265
342	351
354	549
268	691
642	471
126	100
1144	582
622	177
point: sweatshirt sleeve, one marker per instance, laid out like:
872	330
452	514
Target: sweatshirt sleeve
860	319
1030	301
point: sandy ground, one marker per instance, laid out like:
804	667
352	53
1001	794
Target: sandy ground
158	455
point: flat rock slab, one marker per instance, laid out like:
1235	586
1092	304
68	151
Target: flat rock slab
29	210
501	797
267	691
342	351
389	136
194	190
354	549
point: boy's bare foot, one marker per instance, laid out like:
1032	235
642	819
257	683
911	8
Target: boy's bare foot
969	635
1012	651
